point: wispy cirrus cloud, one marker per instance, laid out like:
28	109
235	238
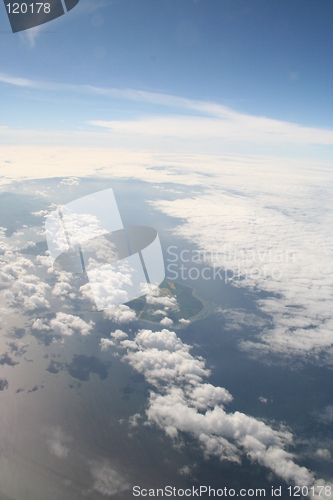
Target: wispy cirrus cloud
207	119
17	81
30	36
232	126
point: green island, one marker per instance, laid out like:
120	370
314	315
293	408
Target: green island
188	305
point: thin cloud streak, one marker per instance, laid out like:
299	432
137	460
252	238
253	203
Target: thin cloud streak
214	120
238	128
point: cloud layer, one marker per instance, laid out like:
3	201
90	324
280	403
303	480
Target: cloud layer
183	402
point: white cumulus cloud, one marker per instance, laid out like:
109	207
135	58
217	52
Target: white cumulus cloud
67	324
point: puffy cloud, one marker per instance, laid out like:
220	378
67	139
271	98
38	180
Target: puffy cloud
323	489
45	261
23	290
119	335
38	324
67	324
226	434
117	313
183	402
219	447
154	296
120	314
208	396
86	294
166	322
106	343
63	288
164	366
323	453
162	358
159	312
110	286
13	267
27	293
40	213
133	420
70	181
79	226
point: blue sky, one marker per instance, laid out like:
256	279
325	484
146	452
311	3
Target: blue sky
262	58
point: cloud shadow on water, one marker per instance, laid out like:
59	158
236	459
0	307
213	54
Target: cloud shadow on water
82	366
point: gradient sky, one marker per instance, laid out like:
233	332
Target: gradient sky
265	58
